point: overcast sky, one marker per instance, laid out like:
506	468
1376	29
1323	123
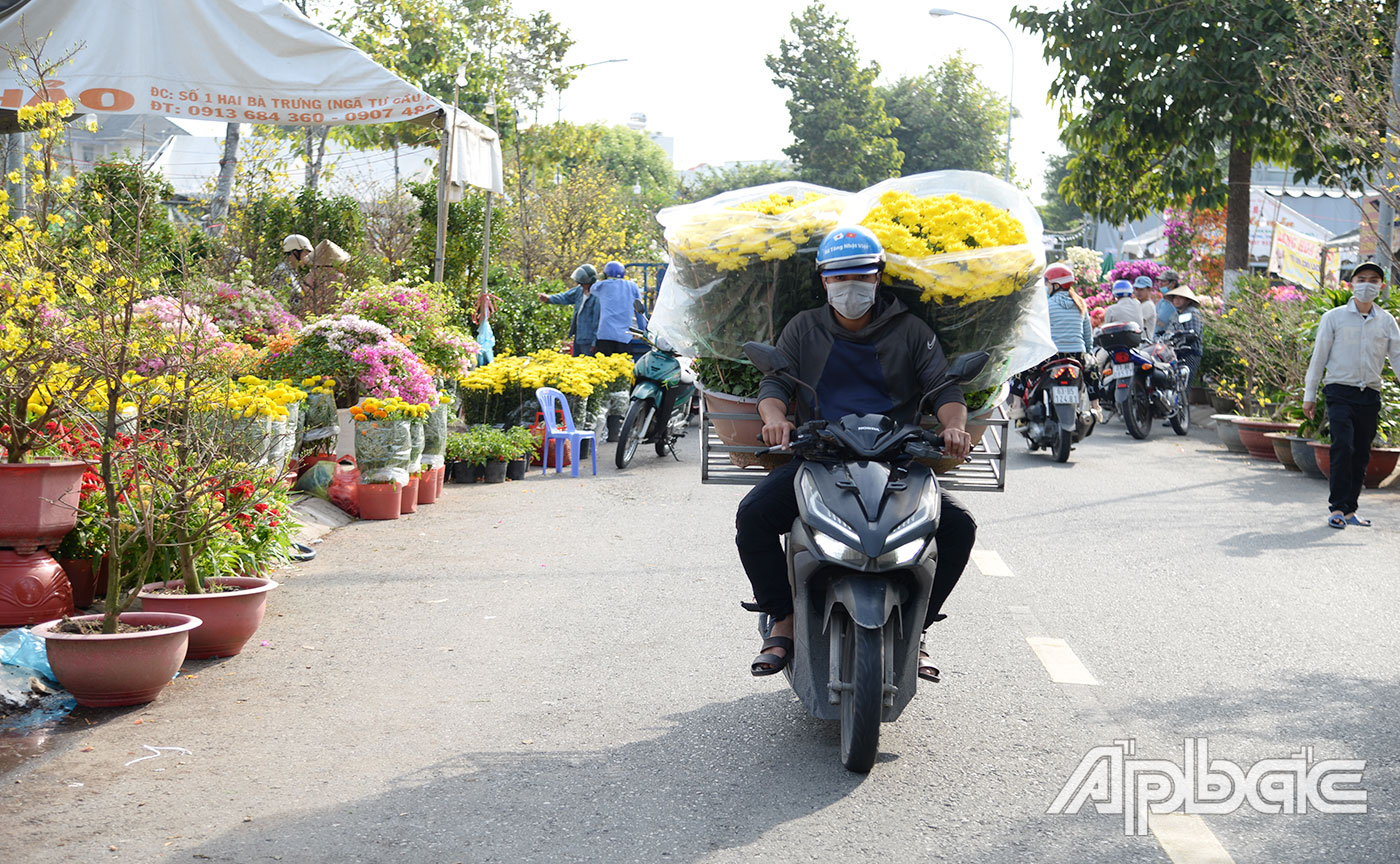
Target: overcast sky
696	69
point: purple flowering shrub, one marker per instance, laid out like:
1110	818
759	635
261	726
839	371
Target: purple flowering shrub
353	349
243	309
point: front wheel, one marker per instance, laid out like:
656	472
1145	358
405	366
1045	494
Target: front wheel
1137	410
1181	418
862	693
634	427
1062	445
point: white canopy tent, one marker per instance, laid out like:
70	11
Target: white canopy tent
246	61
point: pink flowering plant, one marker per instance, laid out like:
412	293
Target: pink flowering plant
353	350
243	309
420	314
1131	270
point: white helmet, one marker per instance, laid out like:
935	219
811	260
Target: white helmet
296	243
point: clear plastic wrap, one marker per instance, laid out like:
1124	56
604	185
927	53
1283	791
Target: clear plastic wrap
416	440
322	421
435	436
383	450
987	298
739	274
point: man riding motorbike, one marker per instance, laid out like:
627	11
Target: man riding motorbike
863	353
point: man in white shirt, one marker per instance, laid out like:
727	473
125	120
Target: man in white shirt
1127	310
1353	342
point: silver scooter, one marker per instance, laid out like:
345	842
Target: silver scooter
861	559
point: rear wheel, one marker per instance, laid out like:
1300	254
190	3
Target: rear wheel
862	696
1137	411
1062	445
634	427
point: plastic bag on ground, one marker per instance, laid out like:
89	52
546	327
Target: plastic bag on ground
382	450
23	650
344	488
316	479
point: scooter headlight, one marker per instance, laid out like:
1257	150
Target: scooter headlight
812	498
929	510
838	551
904	555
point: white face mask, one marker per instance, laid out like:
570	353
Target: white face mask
851	297
1366	292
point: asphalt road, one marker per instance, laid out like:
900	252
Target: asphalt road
556	670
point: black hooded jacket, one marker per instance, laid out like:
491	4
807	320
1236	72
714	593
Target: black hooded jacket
884	368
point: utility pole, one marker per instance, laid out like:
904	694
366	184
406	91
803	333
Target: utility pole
1385	246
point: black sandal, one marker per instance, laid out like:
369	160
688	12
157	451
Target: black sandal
772	661
927	670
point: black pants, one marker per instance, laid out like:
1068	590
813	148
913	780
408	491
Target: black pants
766	513
608	346
1351	413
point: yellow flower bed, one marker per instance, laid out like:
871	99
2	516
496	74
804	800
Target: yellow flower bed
766	229
575	376
923	237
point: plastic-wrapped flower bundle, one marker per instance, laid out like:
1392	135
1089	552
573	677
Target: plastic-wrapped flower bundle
384	439
320	422
743	264
435	434
963	251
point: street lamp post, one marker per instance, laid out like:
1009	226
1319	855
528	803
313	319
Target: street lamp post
559	96
1010	84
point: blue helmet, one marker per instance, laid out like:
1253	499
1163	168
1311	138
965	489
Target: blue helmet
1122	288
1142	282
614	270
850	251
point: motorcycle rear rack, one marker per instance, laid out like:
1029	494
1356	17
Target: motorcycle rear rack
984	472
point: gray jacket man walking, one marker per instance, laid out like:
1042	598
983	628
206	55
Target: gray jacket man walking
1353	342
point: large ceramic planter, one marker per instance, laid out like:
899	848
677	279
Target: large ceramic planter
103	670
380	500
1229	434
230	618
1381	465
1305	457
1283	451
1322	455
32	589
734	432
1223	404
38	503
1252	432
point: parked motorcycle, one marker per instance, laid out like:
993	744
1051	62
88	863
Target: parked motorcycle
861	559
1057	407
660	406
1147	380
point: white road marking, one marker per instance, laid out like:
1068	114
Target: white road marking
1187	839
1060	661
990	563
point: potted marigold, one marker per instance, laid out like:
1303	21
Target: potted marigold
383	447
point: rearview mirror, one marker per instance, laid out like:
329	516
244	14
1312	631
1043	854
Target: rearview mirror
1184	318
968	366
766	358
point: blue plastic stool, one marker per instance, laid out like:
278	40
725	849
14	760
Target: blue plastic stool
552	400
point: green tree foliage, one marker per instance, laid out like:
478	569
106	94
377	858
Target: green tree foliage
712	181
466	226
1168	102
844	137
258	226
948	119
1057	213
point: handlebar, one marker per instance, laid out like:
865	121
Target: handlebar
808	436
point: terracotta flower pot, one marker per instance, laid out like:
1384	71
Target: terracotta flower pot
1252	432
1322	455
1283	451
741	432
408	500
427	487
82	578
1305	457
32	588
230	618
103	670
380	500
440	474
1228	432
38	503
